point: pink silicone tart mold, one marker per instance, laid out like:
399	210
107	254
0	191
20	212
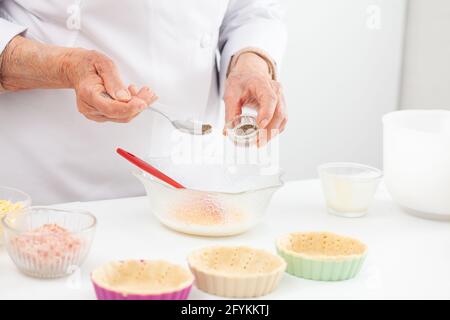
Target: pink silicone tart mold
141	280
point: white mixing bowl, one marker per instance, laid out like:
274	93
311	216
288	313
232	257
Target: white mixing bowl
417	160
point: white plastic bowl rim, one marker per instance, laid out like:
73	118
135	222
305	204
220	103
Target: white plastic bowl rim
391	116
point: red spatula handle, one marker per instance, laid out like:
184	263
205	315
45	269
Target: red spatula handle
148	168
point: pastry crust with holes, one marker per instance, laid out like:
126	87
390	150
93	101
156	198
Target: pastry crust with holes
142	277
321	245
236	261
236	272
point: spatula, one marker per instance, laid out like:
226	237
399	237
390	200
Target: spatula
148	168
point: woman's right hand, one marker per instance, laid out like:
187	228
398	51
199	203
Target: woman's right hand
101	94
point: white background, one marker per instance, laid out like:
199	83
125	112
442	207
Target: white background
426	72
340	77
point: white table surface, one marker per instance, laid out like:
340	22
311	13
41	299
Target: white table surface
408	257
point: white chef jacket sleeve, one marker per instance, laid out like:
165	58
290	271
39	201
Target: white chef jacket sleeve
251	23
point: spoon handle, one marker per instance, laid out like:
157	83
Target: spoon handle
148	168
152	108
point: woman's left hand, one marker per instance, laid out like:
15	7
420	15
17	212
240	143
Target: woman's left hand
250	83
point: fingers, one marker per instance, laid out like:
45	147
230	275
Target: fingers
111	108
133	90
283	125
145	94
96	118
92	114
275	127
233	100
97	105
267	100
89	112
107	70
93	95
279	118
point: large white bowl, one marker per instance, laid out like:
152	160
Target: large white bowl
417	160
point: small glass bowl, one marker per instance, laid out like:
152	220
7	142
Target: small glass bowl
349	188
243	130
44	242
12	200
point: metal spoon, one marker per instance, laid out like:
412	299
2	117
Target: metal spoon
187	126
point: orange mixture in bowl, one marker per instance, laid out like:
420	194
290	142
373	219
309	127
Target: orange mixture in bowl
206	212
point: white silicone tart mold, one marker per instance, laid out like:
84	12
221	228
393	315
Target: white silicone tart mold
236	272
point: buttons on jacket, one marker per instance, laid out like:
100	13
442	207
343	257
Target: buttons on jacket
73	22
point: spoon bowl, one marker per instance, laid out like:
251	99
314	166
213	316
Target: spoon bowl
193	127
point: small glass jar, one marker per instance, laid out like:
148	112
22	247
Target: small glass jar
241	150
243	130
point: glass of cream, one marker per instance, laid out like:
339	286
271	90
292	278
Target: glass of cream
349	188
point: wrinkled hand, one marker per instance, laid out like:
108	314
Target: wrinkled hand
250	84
101	94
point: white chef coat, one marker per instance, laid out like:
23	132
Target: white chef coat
180	48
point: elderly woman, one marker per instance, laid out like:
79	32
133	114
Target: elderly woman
58	144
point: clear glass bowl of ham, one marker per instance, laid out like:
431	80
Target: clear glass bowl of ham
48	243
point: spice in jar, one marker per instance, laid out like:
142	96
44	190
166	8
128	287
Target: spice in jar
206	129
243	130
246	129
